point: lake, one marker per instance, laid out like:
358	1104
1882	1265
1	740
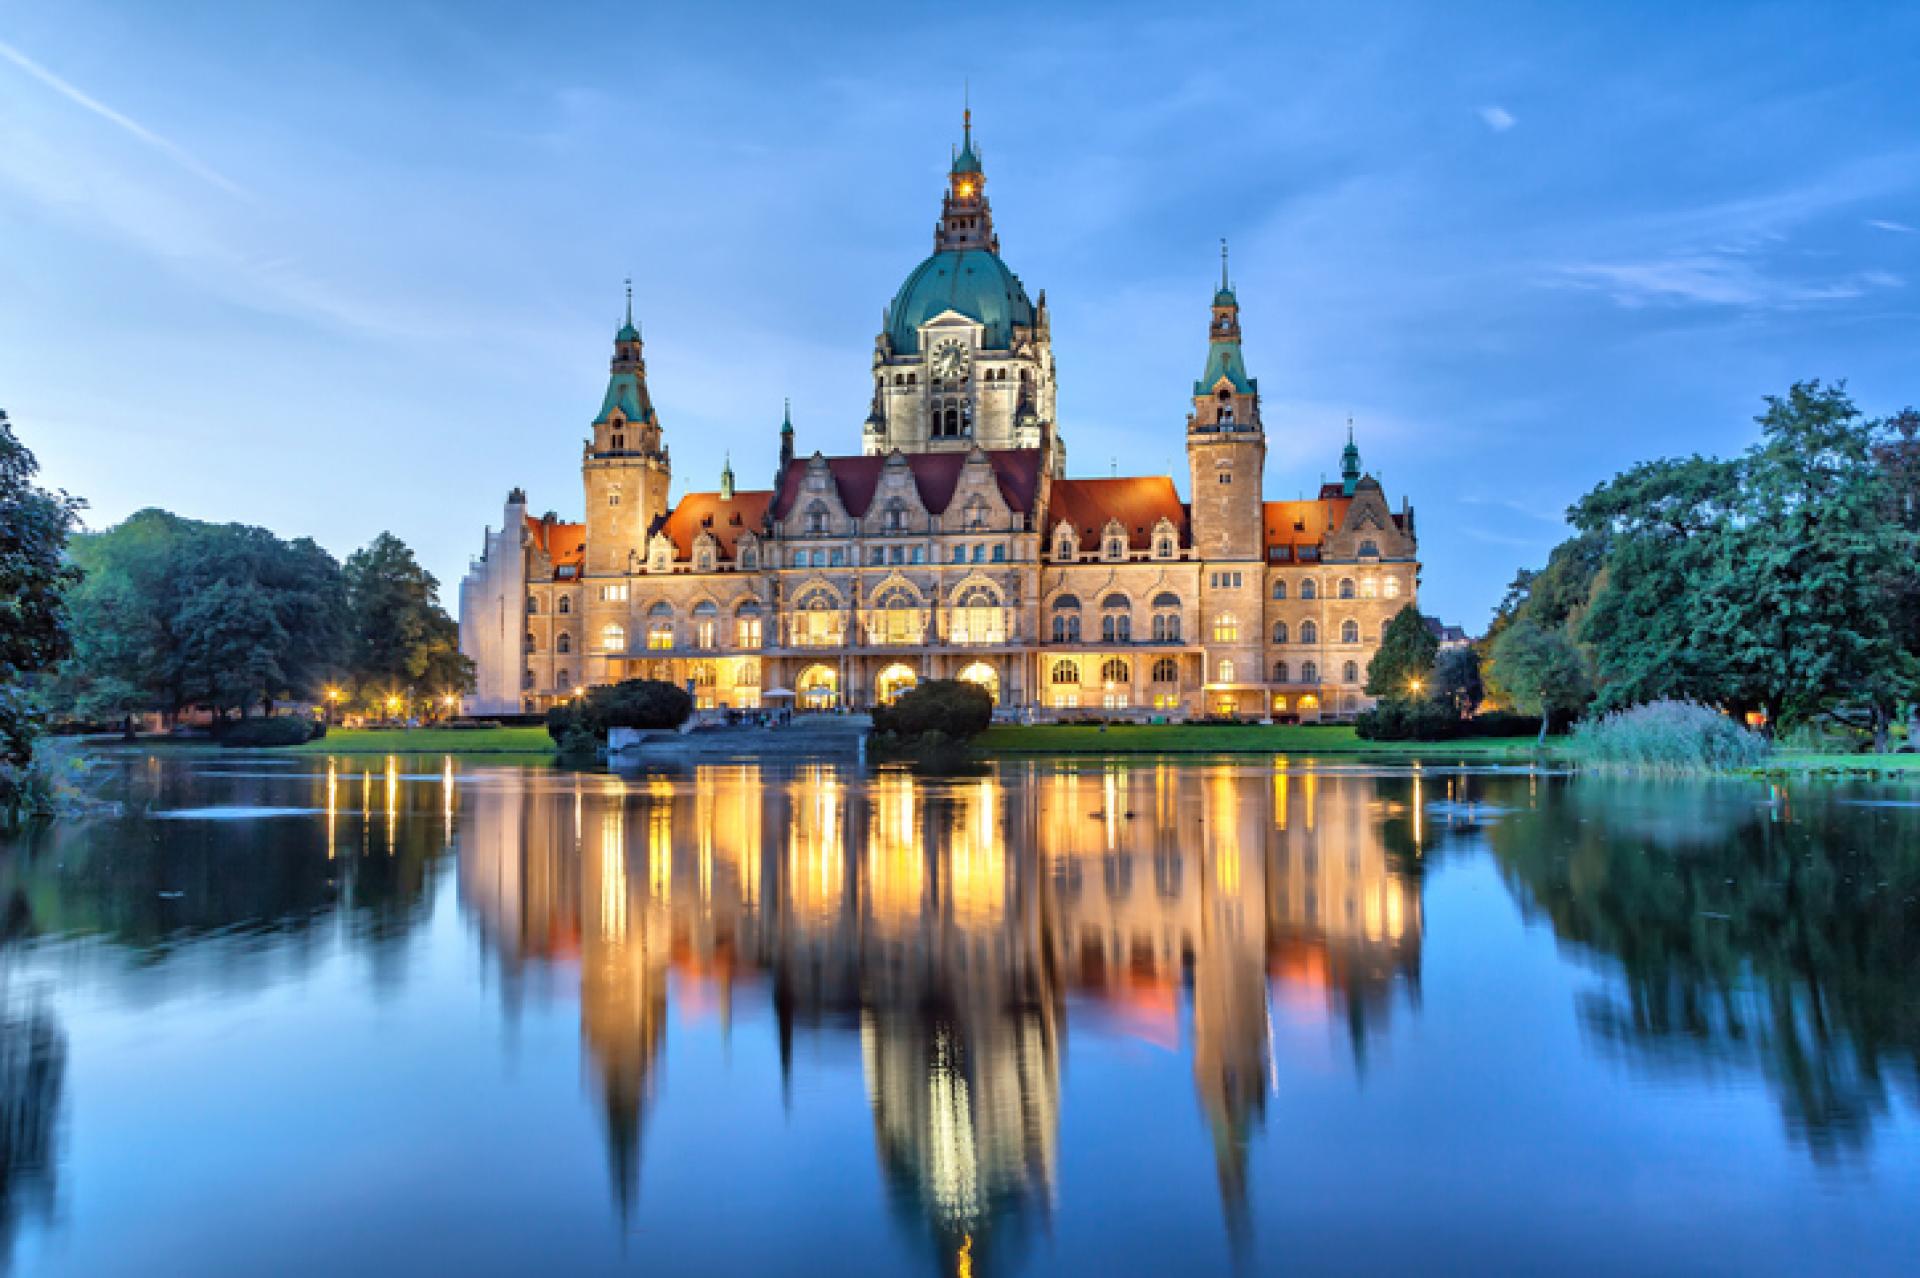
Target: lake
295	1015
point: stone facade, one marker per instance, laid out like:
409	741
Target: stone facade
953	545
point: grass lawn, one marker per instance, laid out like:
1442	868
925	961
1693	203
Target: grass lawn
1175	738
430	741
1807	763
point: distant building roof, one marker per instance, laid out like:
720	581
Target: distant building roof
1292	524
562	543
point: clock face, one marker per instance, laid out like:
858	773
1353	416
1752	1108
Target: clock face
950	361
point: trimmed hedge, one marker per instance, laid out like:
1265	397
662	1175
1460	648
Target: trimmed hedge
1423	720
955	708
634	703
279	730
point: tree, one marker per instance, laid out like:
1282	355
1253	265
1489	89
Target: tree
402	637
35	579
1542	670
957	709
175	612
1404	662
1456	681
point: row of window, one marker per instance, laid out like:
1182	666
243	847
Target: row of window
1113	546
1310	632
1346	588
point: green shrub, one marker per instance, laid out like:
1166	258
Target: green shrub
1407	719
955	708
634	703
1501	723
1670	737
279	730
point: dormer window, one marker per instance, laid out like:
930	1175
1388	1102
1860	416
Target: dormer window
817	517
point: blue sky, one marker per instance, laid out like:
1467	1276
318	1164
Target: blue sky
341	268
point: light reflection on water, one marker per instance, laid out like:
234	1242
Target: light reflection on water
1087	1018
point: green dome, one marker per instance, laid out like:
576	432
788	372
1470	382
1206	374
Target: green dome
974	282
1225	297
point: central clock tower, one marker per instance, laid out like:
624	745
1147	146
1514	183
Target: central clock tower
964	358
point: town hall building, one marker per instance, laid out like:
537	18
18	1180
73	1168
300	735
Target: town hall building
953	545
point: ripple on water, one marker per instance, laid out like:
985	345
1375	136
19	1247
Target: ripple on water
231	814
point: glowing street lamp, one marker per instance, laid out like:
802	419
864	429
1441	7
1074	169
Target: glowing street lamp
1413	685
393	707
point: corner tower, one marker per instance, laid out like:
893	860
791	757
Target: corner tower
964	356
1226	443
624	467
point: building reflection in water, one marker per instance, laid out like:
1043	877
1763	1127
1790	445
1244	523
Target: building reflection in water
948	923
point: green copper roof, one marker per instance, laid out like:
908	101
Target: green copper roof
627	333
974	282
1225	297
625	393
966	161
1224	360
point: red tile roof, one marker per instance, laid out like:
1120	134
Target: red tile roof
935	476
1305	523
563	543
1138	502
725	518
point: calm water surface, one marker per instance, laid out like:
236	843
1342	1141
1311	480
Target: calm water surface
431	1016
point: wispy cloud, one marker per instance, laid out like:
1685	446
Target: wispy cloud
73	93
1716	279
1886	224
1497	118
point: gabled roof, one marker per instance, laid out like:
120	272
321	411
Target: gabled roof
1138	502
726	518
935	477
563	543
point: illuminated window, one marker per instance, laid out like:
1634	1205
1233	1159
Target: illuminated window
1369	587
1393	587
1223	672
613	637
1065	672
1226	628
660	626
1115	670
746	627
705	623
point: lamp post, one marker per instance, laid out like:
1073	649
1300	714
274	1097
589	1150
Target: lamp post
334	695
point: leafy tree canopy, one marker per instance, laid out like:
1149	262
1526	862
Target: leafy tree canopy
1404	660
35	579
401	636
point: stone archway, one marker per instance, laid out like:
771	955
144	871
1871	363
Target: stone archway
818	687
983	673
894	680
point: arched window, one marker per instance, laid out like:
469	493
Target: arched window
1309	589
1279	632
747	675
533	644
564	643
1393	587
1066	619
1166	617
563	679
817	517
1369	587
1115	670
1349	632
1163	547
1279	588
1166	670
1309	633
1116	620
746	626
660	626
1226	628
706	623
1309	672
1063	544
749	560
533	605
613	637
1223	672
566	603
1115	547
1346	587
1280	672
1350	673
1065	672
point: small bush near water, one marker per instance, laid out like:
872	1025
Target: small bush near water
935	720
1404	720
1670	736
279	730
579	727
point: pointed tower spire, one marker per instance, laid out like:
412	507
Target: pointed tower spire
1225	286
966	220
726	478
1349	462
786	443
